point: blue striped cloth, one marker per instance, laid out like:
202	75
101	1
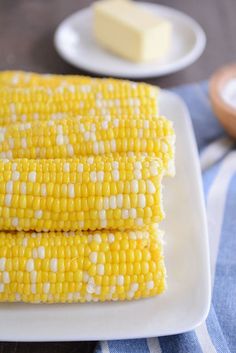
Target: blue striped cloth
218	161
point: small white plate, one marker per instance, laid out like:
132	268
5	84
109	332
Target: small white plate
185	303
74	41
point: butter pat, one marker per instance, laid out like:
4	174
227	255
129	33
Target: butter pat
130	31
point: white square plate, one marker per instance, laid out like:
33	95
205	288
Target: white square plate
185	303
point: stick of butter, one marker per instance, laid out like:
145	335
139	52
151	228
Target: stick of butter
130	31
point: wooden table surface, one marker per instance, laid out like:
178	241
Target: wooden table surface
27	27
26	33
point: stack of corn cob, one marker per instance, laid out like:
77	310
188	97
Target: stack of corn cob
81	167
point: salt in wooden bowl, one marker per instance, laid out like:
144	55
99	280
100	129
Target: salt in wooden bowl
221	90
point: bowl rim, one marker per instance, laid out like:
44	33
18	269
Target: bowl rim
217	80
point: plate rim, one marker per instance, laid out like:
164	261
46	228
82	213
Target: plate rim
22	335
180	64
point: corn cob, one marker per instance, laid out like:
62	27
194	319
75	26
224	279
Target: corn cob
87	136
113	192
21	79
81	266
35	103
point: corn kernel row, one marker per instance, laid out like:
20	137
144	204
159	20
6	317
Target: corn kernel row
31	79
86	136
21	79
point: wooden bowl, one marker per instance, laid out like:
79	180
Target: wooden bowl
223	111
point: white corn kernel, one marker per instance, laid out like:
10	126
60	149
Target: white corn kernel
53	265
100	269
113	202
23	188
2	263
100	176
119	200
66	167
8	198
120	280
134	186
41	252
46	287
32	176
151	189
15	221
93	256
116	175
93	176
15	175
125	214
9	187
71	190
111	238
38	214
150	285
30	265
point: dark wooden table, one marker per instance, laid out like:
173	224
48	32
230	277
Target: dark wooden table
26	32
27	27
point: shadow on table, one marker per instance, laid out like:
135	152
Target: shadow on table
47	347
44	56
